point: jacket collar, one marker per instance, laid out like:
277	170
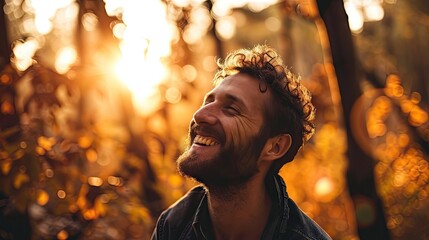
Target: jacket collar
277	223
282	196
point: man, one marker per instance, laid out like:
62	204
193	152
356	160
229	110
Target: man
253	122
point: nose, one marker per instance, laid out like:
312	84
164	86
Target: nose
206	114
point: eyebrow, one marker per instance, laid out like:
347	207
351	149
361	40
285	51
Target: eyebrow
234	99
228	98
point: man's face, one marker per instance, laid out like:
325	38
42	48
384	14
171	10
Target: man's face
225	133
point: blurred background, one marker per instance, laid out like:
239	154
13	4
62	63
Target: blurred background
96	97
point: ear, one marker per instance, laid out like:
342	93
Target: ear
276	147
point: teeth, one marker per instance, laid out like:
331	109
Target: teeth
205	141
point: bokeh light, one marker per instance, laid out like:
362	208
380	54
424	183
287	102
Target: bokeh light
23	53
66	57
143	47
360	12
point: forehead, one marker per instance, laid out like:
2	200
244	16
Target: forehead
244	88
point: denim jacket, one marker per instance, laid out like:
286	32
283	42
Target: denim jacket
188	218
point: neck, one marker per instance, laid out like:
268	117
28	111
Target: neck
239	212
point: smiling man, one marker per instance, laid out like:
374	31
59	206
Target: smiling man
253	122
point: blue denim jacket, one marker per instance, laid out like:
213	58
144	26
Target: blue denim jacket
188	218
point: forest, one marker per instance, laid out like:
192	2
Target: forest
96	98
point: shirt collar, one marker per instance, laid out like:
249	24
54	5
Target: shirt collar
282	197
277	223
202	222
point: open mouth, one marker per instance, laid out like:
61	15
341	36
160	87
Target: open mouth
204	141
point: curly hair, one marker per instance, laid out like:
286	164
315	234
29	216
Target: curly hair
291	110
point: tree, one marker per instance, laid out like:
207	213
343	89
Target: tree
361	182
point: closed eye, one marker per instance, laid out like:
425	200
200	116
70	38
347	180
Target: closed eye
232	110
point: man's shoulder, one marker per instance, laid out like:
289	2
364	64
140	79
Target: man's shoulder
300	224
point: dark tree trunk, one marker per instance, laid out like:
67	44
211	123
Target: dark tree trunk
4	42
360	174
13	223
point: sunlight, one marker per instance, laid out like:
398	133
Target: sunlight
44	11
146	35
23	53
363	11
64	59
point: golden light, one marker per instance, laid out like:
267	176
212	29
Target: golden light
189	72
417	117
115	181
23	53
5	167
95	181
146	35
49	173
273	24
42	197
225	27
61	194
181	3
355	16
142	78
46	142
324	186
374	12
43	25
220	9
85	141
257	5
64	60
89	21
224	7
118	30
173	95
23	145
44	11
5	79
363	11
415	97
91	155
62	235
199	23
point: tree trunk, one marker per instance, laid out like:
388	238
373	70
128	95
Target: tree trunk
360	173
4	42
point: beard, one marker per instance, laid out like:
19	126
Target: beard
230	166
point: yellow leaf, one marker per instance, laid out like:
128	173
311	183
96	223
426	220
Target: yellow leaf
90	214
62	235
85	141
40	151
46	142
91	155
5	167
7	107
20	179
100	207
42	197
18	154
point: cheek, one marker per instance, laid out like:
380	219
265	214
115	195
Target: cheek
241	131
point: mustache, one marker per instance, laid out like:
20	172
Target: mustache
195	128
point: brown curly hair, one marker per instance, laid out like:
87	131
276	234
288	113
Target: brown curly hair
291	110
